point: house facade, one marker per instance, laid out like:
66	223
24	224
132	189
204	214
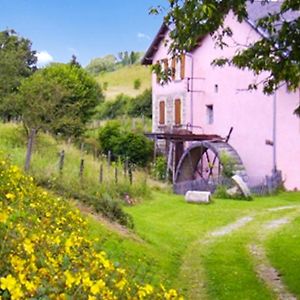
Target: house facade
204	99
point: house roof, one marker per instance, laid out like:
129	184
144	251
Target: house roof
256	10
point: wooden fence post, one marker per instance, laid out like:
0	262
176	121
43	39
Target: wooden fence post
61	161
130	174
29	149
81	168
125	167
109	158
101	174
116	174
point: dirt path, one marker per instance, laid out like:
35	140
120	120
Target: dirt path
269	274
193	273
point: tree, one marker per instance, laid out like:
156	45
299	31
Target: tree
102	64
78	106
59	98
277	52
141	105
17	61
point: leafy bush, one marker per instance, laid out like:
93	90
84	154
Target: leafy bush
228	165
159	168
137	83
133	146
45	253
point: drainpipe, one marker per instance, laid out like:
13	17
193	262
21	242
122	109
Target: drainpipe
274	131
191	91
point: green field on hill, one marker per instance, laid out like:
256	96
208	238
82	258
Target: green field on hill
122	80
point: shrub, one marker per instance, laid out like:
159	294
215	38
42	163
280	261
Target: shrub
45	253
128	145
228	165
137	83
159	168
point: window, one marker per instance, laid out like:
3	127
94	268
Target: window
209	114
162	108
178	65
177	104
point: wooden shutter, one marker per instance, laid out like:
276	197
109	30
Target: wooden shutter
166	65
161	112
173	68
182	66
177	112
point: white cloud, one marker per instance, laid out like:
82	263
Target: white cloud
141	35
43	58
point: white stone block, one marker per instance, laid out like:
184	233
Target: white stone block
197	197
241	185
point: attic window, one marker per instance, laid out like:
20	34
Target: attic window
209	114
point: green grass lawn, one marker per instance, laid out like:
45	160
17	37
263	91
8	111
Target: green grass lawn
174	247
121	81
171	241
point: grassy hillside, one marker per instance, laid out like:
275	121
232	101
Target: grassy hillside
121	81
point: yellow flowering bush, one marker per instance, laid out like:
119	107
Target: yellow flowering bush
44	252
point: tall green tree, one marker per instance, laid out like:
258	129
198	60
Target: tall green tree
60	98
84	94
277	52
17	61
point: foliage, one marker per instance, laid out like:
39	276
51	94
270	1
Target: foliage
102	64
115	108
128	145
141	105
159	168
38	99
123	105
17	61
45	252
277	52
137	83
228	164
126	58
77	107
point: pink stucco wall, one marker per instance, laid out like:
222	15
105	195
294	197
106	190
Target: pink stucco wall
250	113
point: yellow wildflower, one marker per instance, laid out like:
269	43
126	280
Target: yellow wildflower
69	278
28	246
3	217
10	196
96	287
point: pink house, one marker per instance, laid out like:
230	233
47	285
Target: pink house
202	103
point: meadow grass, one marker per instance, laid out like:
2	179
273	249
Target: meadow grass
121	81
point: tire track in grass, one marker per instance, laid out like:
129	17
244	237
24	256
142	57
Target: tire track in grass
194	273
264	269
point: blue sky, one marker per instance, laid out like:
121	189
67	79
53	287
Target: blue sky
88	29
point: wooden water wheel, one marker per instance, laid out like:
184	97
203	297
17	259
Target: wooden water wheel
200	167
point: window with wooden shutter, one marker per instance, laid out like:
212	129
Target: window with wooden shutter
182	66
166	65
162	112
177	112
